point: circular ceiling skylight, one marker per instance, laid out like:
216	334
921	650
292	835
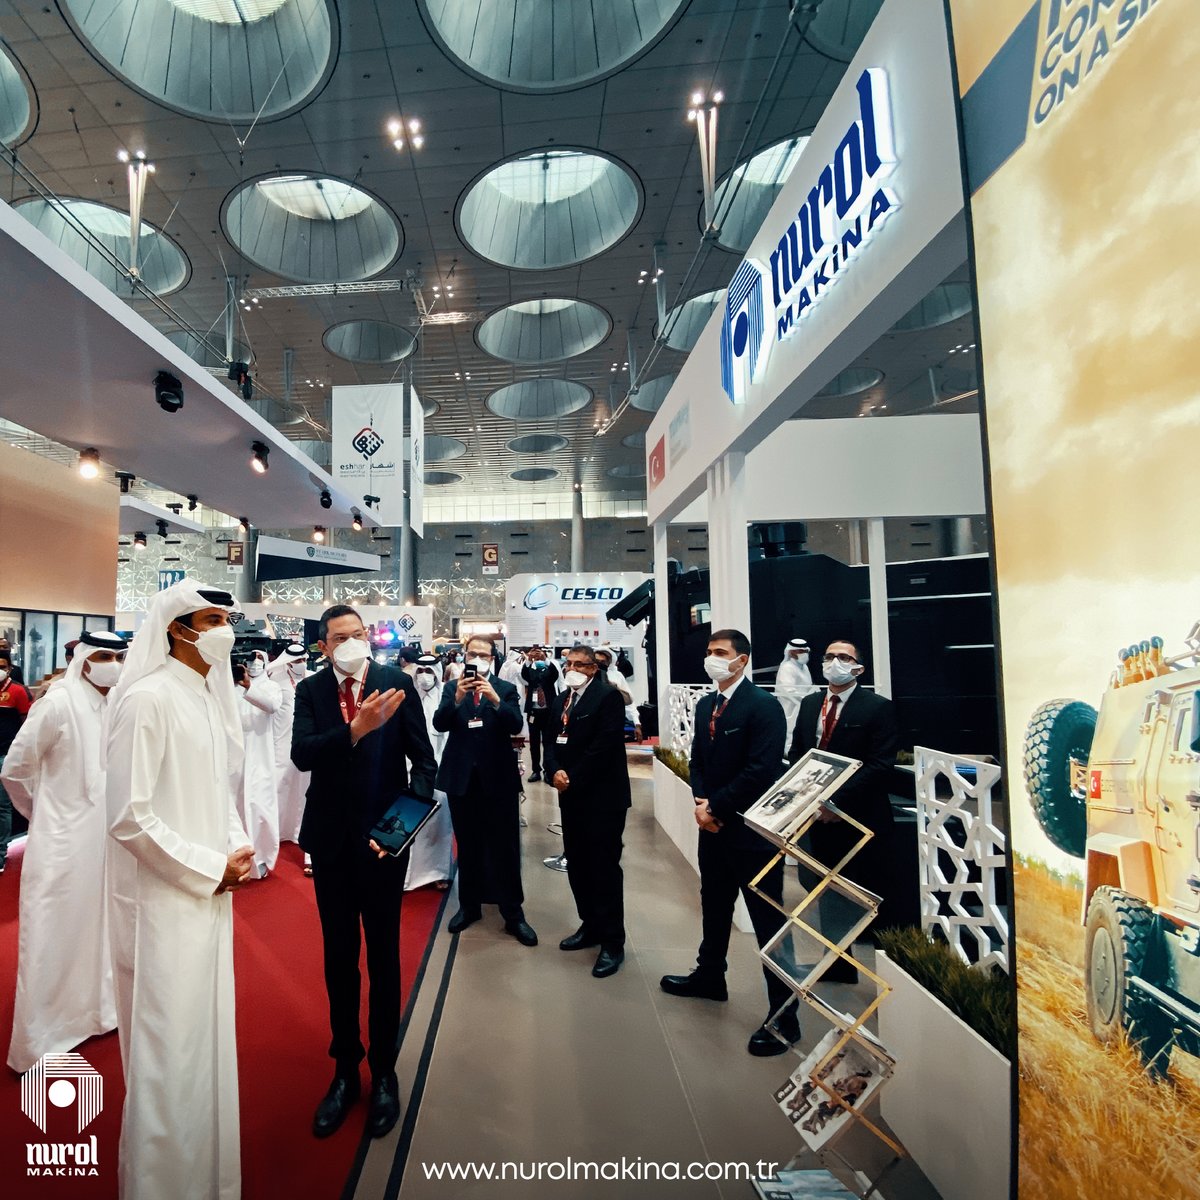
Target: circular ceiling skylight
538	443
745	195
547	45
163	267
543	331
852	381
947	302
439	448
533	474
369	341
441	478
688	320
549	209
839	27
539	399
222	60
206	352
635	441
652	393
633	470
18	108
312	228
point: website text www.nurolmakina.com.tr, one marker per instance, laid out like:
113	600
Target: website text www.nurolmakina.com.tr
623	1170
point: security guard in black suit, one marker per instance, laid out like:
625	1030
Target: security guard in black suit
480	777
586	763
737	754
356	723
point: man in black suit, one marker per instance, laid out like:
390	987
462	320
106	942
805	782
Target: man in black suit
586	764
541	678
737	754
854	723
482	714
355	724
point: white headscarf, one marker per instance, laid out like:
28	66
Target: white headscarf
279	668
73	684
150	650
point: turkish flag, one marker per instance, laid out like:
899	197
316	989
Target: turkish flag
657	470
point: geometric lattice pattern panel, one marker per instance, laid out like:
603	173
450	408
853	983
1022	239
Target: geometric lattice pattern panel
680	728
961	856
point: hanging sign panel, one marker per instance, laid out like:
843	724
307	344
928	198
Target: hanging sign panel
414	457
368	447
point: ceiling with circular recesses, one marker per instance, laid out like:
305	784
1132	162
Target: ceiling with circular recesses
635	441
552	208
543	331
652	393
745	195
439	448
547	45
538	443
369	341
18	106
205	352
311	228
533	474
221	60
162	265
852	381
442	478
539	399
947	302
635	470
686	322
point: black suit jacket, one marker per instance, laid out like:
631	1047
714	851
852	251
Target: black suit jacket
488	750
547	678
594	753
866	729
353	786
745	757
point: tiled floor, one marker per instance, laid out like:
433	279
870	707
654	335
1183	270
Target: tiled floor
519	1056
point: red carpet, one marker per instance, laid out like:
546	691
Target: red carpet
283	1035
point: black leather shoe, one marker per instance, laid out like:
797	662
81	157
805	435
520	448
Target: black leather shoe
522	931
608	963
840	972
338	1101
695	985
764	1044
579	940
384	1111
462	919
536	777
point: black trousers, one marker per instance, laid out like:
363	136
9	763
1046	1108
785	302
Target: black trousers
871	867
725	869
539	731
356	891
592	833
487	826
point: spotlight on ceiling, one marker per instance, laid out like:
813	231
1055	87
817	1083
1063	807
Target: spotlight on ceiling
318	533
326	499
258	457
356	521
193	501
139	541
370	501
168	391
176	507
244	524
126	479
89	463
162	527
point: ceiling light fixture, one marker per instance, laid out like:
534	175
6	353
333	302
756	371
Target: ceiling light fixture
89	463
326	499
193	503
161	524
318	533
168	392
356	521
258	457
125	478
139	541
244	524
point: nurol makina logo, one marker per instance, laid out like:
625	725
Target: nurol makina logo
62	1081
847	204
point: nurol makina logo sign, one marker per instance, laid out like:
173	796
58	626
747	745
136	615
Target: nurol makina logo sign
62	1081
846	205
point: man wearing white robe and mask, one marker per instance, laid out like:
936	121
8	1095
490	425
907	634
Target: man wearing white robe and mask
53	775
287	669
793	681
261	698
177	848
432	852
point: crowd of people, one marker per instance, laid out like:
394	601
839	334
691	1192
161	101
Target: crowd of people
161	775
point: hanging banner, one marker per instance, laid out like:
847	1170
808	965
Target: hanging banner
368	447
414	457
235	557
491	558
1080	121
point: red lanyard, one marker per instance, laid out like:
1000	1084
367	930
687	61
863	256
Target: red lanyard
716	712
566	712
348	684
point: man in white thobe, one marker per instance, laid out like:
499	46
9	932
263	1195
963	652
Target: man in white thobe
287	669
432	852
177	848
261	698
52	773
793	681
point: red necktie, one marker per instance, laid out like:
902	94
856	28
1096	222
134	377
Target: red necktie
349	704
712	720
827	726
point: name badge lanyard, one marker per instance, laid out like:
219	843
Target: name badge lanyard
350	708
566	720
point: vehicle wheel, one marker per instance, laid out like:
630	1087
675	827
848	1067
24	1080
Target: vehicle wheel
1123	941
1061	730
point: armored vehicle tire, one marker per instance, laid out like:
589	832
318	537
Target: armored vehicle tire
1057	732
1122	941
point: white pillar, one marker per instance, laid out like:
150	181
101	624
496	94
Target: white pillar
881	646
576	532
728	559
406	572
662	626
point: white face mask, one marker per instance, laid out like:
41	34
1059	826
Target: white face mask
351	655
3	674
215	645
104	674
802	659
837	672
575	679
297	670
720	669
254	668
482	665
426	681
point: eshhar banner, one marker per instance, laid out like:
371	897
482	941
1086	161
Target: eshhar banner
1082	130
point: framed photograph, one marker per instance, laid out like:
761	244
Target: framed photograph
797	797
820	1097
